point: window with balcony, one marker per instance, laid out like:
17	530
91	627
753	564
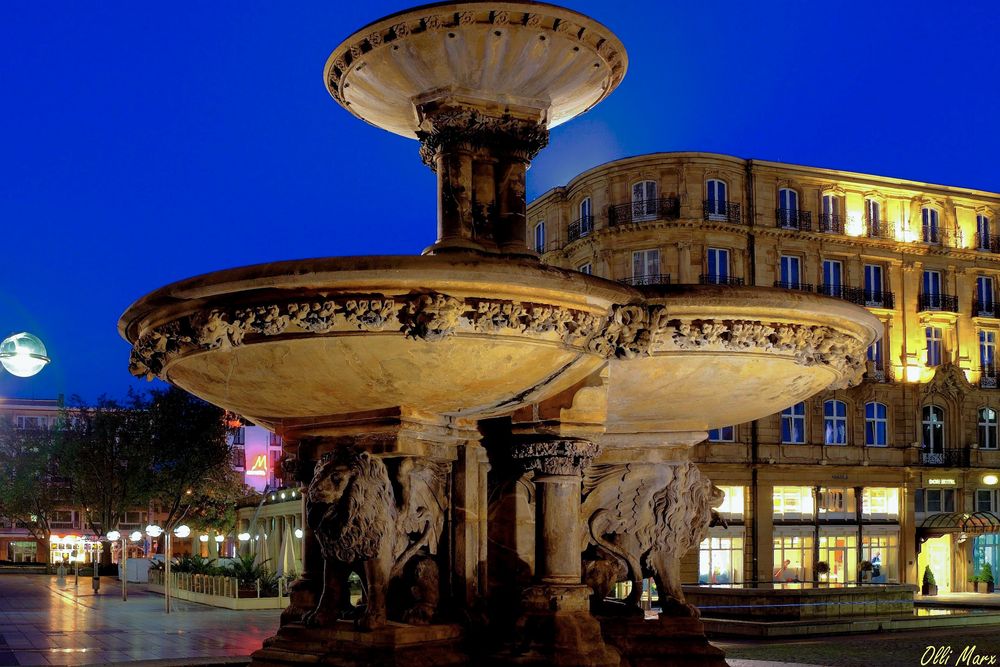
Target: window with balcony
931	225
790	273
934	346
788	209
831	221
987	428
646	267
724	434
874	290
540	237
586	268
933	429
833	271
984	239
716	201
876	424
718	266
643	201
984	306
932	286
835	422
932	297
873	213
583	225
793	424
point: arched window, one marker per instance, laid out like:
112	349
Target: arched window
876	425
788	208
931	225
793	424
644	200
987	428
586	217
716	200
933	423
835	422
540	237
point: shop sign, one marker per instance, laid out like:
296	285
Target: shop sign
941	481
259	467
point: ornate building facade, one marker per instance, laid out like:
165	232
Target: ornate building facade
875	482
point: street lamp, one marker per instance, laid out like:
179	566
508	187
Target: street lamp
23	354
114	536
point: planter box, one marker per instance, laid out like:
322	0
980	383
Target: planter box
928	590
984	587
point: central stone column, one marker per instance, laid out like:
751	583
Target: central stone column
480	154
556	626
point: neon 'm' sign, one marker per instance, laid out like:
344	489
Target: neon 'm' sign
259	467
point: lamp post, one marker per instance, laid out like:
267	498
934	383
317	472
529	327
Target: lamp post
115	536
181	532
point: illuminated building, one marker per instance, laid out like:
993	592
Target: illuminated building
903	465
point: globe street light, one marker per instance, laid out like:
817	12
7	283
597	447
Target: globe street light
23	354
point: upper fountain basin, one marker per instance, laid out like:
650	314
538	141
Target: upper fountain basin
531	60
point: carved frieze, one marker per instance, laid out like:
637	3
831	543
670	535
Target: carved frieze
629	331
556	457
451	128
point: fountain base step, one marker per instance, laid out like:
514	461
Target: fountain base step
667	641
343	645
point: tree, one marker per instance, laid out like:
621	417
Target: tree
192	461
105	453
30	490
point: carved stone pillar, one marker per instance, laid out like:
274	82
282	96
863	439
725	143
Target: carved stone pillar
451	133
556	620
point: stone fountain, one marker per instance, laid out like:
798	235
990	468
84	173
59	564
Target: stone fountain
489	443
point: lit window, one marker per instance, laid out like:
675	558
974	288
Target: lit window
987	428
720	560
835	422
793	424
876	425
880	503
724	434
732	505
792	503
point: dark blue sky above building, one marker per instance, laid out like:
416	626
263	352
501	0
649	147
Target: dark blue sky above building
142	144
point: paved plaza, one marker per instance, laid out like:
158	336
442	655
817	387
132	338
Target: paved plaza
45	624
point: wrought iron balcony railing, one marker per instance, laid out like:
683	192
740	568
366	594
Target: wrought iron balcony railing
792	218
831	223
985	308
859	295
712	279
876	228
987	242
941	237
644	210
725	211
581	227
988	377
943	302
876	373
949	458
655	279
795	285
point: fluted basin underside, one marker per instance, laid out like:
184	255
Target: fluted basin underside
703	357
506	57
327	338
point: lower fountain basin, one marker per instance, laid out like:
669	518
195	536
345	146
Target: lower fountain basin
325	338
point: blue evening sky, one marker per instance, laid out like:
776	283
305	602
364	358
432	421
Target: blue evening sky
146	142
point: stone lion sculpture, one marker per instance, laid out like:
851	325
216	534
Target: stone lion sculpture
360	527
640	519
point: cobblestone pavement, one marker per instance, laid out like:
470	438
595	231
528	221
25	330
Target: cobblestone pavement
902	649
45	624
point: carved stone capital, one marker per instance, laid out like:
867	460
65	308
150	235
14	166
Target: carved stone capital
463	128
556	457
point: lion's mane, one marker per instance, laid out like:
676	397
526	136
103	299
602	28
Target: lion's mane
354	526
